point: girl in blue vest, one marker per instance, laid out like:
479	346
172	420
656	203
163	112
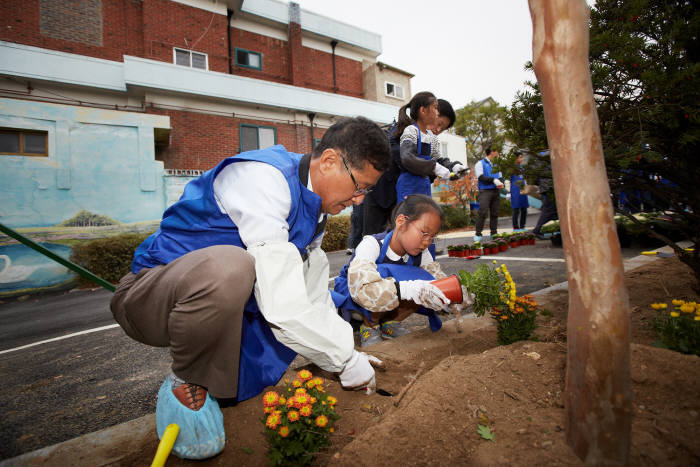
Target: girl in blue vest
418	147
388	277
518	201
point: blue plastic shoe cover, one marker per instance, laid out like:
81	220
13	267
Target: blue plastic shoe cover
201	431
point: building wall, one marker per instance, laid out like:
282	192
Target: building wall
99	160
275	56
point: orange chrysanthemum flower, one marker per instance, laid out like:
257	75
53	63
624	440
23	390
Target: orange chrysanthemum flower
284	431
321	421
504	317
296	383
272	421
305	411
290	402
318	380
300	391
269	409
305	375
310	383
331	400
282	401
301	400
293	415
270	399
313	400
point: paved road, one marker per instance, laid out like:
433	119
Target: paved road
65	388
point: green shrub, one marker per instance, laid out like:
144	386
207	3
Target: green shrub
504	208
110	257
337	231
455	217
85	218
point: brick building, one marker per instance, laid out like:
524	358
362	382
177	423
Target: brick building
183	83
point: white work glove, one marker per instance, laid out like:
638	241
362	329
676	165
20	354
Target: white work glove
458	168
508	196
442	171
423	293
498	183
358	373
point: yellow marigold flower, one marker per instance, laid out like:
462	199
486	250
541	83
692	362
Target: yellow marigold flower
270	399
675	314
504	317
300	391
305	375
687	308
659	306
293	415
495	262
677	302
272	421
296	383
321	421
284	431
305	411
696	318
331	400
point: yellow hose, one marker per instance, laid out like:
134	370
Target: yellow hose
165	445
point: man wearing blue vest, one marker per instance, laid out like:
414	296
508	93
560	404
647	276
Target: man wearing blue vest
235	282
489	197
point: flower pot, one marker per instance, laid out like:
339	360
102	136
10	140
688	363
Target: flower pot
463	254
451	287
476	252
451	253
514	244
531	241
503	247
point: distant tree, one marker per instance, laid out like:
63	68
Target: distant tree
85	218
481	123
644	68
458	193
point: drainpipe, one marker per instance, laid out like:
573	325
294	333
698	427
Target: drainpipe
311	120
334	43
229	15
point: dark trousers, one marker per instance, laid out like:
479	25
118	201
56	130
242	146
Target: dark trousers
376	217
356	224
519	214
488	206
548	213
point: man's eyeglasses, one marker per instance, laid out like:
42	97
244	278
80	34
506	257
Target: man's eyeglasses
358	191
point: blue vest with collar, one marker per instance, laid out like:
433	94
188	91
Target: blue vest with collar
196	222
399	270
488	168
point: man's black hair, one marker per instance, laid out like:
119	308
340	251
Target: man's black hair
359	140
488	150
445	110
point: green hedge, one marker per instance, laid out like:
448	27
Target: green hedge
337	232
455	217
110	257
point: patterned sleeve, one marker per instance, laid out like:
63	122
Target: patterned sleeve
434	268
369	289
435	147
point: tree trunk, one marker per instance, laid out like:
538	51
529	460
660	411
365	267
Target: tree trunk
598	396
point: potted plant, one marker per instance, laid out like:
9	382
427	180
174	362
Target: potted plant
490	248
476	249
463	253
451	251
514	241
501	244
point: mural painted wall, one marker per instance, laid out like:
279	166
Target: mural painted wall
102	161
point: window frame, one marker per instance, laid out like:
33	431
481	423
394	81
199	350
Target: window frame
235	54
21	152
190	52
251	125
396	85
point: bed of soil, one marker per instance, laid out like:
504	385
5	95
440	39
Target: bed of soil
466	379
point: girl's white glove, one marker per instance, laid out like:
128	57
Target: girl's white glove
358	373
423	293
467	300
442	171
458	168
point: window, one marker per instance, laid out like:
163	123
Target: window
23	142
443	149
189	58
393	90
257	137
248	59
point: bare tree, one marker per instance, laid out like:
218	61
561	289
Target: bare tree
598	394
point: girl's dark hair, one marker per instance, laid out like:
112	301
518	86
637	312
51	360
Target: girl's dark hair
422	99
445	110
415	206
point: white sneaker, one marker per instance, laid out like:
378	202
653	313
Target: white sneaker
477	238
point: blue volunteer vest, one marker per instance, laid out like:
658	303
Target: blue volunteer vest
488	168
195	222
399	270
411	184
517	200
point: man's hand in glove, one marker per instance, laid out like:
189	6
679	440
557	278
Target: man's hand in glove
442	171
498	183
508	196
423	293
458	168
358	373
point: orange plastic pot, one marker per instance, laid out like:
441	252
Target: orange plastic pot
451	287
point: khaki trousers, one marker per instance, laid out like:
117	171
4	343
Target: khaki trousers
194	305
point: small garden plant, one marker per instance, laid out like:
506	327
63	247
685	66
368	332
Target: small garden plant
495	292
299	421
679	328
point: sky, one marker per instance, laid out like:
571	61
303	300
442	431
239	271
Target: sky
461	50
